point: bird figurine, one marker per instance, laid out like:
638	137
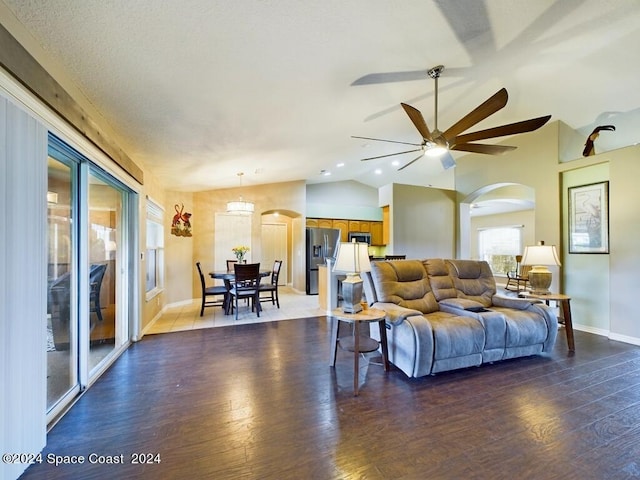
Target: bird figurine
589	147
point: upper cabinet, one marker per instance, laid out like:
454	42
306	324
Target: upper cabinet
343	225
325	223
376	229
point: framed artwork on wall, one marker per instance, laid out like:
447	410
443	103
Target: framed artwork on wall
589	218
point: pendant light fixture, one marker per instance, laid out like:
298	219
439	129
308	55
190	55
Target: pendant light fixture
240	207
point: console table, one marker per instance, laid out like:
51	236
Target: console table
565	305
357	344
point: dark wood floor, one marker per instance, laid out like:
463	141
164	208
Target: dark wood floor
260	402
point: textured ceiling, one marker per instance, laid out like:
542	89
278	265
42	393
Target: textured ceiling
199	90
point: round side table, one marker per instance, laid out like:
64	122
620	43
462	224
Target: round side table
357	344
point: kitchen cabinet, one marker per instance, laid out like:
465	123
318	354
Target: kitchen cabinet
377	237
378	230
343	225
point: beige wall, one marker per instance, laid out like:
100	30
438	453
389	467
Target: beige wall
152	308
424	222
624	224
604	287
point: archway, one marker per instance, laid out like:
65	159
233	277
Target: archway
496	205
286	226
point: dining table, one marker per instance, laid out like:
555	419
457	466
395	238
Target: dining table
228	276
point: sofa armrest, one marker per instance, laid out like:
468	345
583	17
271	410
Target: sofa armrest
515	303
395	313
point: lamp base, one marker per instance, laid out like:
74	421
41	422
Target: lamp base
352	293
540	280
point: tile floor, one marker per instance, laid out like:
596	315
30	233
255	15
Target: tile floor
293	304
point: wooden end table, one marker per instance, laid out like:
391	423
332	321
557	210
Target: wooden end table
356	344
565	305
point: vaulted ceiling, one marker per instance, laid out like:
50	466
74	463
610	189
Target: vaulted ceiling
200	90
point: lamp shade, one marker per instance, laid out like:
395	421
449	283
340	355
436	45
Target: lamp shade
353	257
540	255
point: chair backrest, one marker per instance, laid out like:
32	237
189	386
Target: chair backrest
202	284
247	275
96	274
275	273
230	264
524	271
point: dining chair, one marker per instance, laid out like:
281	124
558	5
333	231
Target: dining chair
230	264
269	291
246	285
215	291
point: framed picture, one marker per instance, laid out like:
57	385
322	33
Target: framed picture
589	218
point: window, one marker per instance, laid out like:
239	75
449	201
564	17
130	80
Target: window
499	246
155	249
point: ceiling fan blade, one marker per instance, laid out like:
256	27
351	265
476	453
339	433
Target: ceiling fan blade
389	77
501	131
412	161
494	103
390	141
481	148
390	155
418	120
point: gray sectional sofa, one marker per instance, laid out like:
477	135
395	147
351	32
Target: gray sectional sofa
445	314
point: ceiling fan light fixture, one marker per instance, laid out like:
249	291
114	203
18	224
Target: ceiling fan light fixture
435	150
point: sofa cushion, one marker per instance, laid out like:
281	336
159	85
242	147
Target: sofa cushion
456	336
405	283
441	281
473	280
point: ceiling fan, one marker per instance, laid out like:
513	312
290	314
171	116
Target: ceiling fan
438	144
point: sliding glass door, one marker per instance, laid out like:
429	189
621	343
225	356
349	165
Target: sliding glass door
62	275
90	244
107	326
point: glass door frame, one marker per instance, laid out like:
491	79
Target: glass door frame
127	274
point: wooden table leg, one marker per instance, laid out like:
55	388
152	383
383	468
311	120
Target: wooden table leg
383	344
356	357
568	324
334	341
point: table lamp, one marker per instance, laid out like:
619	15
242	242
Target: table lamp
352	259
540	256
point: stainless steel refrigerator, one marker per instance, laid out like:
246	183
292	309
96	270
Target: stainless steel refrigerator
322	243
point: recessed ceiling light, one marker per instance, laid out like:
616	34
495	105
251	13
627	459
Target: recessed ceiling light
395	163
341	164
378	171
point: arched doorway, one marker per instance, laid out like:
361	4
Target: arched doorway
496	209
279	240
